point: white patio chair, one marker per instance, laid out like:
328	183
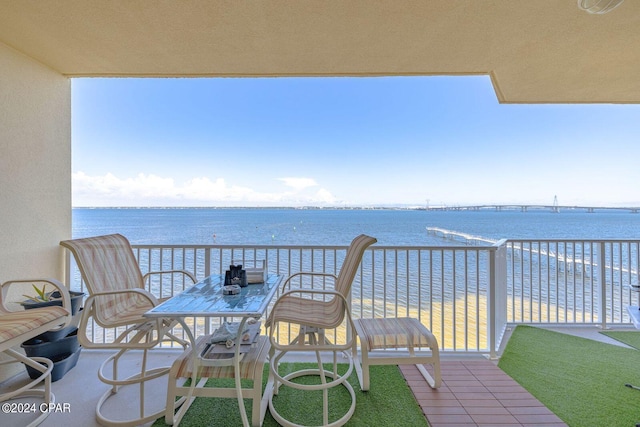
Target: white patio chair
313	312
18	325
118	299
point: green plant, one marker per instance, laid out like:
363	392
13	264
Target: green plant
41	295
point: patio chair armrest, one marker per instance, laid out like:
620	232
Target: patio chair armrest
287	282
291	292
64	292
270	319
148	295
312	291
90	304
184	272
89	312
275	317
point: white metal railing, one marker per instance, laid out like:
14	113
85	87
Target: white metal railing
572	281
466	295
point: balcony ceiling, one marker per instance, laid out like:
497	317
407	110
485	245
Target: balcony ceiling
537	51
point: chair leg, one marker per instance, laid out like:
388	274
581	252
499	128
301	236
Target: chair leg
325	390
364	354
141	378
433	381
40	364
361	362
325	384
436	380
257	414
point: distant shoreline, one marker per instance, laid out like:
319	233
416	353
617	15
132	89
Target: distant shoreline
461	208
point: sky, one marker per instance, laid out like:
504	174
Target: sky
343	141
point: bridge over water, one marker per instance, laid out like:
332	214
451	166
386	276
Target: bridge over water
525	208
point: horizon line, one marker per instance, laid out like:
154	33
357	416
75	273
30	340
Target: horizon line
485	206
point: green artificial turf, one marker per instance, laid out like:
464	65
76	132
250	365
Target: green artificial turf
630	338
388	403
582	381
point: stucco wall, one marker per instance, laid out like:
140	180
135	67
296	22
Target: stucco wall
35	170
35	167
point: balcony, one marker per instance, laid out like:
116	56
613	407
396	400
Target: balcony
529	287
469	296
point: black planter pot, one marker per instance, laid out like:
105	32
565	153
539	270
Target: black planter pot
63	352
76	301
46	347
62	363
59	334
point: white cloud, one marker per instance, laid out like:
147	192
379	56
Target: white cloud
152	190
299	183
326	197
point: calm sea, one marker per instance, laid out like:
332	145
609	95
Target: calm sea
339	226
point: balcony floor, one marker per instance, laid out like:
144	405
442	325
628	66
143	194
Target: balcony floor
475	392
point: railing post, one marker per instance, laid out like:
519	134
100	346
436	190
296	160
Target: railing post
67	269
207	262
602	289
497	297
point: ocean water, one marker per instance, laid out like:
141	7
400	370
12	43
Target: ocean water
339	226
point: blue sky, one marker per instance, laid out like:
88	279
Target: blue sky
337	141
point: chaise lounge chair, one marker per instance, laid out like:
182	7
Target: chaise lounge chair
18	325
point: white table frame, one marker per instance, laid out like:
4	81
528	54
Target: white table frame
205	299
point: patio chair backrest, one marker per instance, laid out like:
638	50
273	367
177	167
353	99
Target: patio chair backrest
107	263
351	262
334	314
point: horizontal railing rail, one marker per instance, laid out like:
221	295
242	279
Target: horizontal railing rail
466	295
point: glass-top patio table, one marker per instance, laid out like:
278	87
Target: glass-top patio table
206	299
